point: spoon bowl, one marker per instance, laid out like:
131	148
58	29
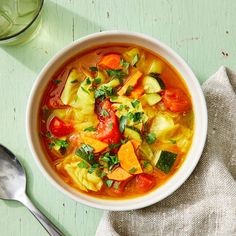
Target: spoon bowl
13	187
12	176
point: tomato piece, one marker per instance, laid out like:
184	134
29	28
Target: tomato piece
108	127
144	182
59	128
176	100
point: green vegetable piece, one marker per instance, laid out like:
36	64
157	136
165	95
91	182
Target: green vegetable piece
123	122
152	98
129	90
97	80
132	133
159	80
86	153
151	85
135	103
135	60
116	185
151	138
109	183
166	161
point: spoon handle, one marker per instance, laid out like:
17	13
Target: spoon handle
43	220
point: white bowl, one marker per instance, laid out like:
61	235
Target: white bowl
199	106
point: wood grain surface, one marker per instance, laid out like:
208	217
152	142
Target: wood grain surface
203	32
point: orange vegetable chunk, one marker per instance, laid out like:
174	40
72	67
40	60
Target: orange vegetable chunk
119	174
131	81
97	145
110	61
135	143
128	159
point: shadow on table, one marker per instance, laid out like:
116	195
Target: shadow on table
60	27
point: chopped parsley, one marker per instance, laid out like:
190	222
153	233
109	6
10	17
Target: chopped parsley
57	81
123	122
135	103
86	91
104	91
85	152
146	164
132	170
109	183
104	112
129	90
119	74
172	141
51	145
114	145
111	160
116	185
93	168
93	68
151	138
90	128
97	80
135	60
83	164
135	116
122	106
124	64
88	81
74	81
61	143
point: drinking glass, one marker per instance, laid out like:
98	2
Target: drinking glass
20	20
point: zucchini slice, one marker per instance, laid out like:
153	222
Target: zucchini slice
152	98
132	133
151	85
156	67
165	160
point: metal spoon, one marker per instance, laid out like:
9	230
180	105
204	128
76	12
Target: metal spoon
13	187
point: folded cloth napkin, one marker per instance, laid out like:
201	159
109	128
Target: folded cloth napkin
206	203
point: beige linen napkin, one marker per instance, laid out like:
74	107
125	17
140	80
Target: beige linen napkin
206	203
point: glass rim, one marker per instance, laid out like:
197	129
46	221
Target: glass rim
27	26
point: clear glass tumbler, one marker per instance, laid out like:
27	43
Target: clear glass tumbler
20	20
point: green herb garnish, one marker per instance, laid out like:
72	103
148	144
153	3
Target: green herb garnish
132	170
93	68
116	185
104	112
86	91
145	164
93	168
104	91
123	122
129	90
159	80
57	81
97	81
151	138
85	152
83	164
74	81
90	128
172	141
135	103
119	74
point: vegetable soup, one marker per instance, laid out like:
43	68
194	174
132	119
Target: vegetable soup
116	121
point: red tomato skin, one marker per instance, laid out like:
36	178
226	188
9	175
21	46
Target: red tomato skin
144	182
108	127
176	100
59	128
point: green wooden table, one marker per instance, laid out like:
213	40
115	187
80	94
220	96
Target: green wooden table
203	32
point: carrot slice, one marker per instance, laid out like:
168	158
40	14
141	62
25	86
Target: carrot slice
97	145
131	81
128	159
135	144
110	61
119	174
137	93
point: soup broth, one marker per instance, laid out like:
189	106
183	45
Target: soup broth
116	121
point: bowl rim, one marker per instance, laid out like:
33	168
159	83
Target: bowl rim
178	182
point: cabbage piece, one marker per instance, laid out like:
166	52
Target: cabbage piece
163	126
79	173
72	84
